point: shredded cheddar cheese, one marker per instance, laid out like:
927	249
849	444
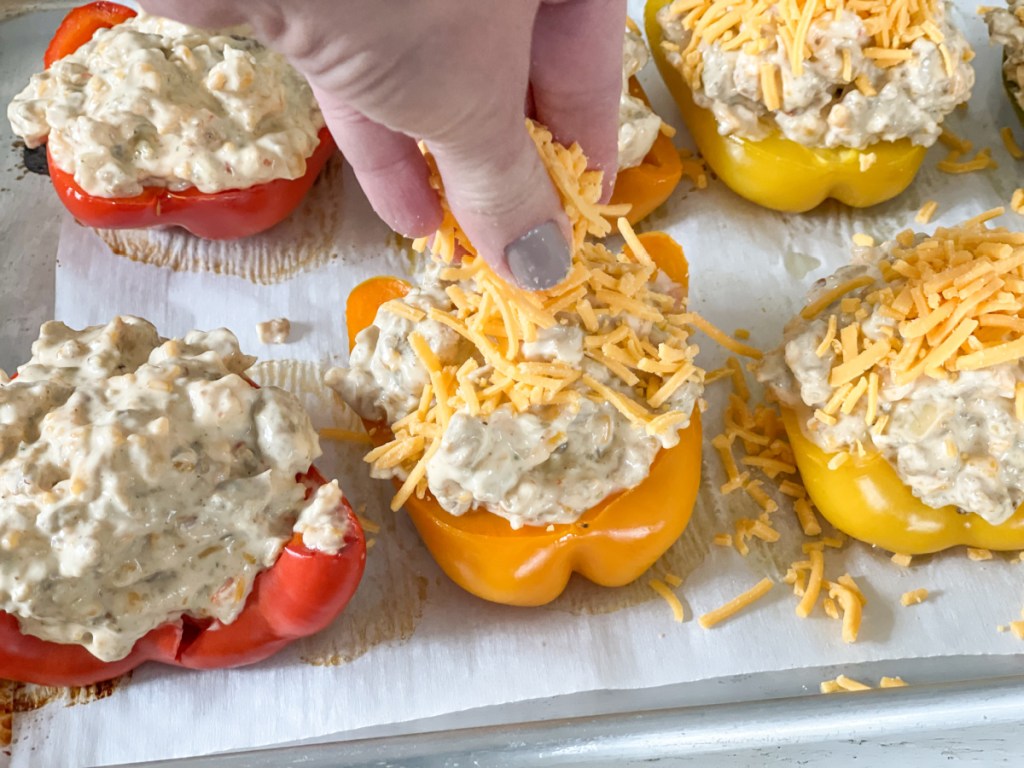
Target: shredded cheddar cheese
752	25
1010	142
956	301
903	561
606	292
913	597
1017	201
737	604
669	597
844	683
982	161
927	211
852	609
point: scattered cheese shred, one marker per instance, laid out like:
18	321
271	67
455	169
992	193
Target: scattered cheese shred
673	580
368	525
813	589
913	597
737	604
892	682
670	597
849	684
852	610
982	161
977	554
1010	142
926	212
844	683
1017	627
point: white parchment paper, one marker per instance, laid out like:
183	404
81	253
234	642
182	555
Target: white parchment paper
412	645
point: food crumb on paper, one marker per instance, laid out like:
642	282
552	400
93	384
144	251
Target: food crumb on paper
274	331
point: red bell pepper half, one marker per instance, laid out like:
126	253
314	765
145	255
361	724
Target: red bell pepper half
225	215
301	594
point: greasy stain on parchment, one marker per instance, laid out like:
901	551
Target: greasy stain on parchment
304	241
16	698
388	605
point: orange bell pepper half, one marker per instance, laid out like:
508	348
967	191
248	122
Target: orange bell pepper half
648	185
225	215
612	544
865	498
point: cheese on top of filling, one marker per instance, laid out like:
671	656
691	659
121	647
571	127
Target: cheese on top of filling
916	352
533	406
823	73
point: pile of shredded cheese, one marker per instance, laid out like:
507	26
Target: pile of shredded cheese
758	434
608	292
957	302
755	26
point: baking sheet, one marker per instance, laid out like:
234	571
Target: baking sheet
414	646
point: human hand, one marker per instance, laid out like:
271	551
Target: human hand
455	73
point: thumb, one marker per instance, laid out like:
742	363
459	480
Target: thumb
501	195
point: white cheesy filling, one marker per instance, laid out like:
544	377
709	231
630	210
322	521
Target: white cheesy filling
142	479
155	103
638	125
1006	27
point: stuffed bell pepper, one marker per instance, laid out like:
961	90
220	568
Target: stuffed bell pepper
532	435
152	123
902	388
649	164
1006	27
792	103
156	505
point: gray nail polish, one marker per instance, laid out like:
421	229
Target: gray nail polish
539	259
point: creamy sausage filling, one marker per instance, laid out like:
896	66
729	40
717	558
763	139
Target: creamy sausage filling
638	125
154	103
143	479
1006	27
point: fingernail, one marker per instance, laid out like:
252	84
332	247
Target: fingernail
540	258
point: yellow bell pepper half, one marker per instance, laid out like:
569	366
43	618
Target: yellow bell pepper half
646	186
612	544
781	174
865	498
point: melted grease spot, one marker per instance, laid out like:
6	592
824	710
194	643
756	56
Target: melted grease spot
304	241
799	265
388	605
6	712
17	698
